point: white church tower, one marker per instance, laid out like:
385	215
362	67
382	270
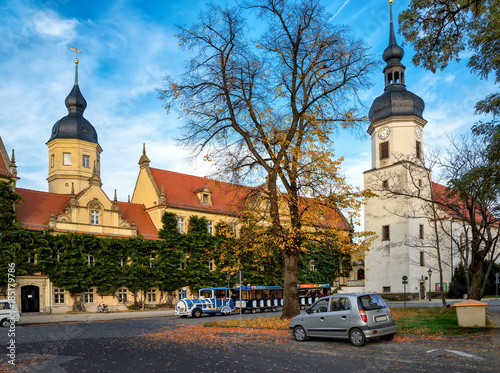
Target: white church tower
396	132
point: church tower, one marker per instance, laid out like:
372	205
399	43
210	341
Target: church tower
74	152
396	132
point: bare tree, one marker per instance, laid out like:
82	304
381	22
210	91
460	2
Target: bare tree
469	200
269	108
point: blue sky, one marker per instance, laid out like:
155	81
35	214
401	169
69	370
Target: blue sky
129	46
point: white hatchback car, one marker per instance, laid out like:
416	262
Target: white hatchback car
8	312
357	317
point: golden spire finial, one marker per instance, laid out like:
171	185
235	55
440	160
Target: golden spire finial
76	55
390	1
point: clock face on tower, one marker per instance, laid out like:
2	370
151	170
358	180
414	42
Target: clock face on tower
418	132
383	133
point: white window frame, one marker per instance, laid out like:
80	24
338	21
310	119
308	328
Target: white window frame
180	225
122	295
151	295
210	227
66	159
88	296
58	296
90	260
86	161
94	217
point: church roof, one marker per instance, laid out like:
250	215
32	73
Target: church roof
74	125
34	211
396	99
455	208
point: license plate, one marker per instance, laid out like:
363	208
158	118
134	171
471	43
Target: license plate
381	318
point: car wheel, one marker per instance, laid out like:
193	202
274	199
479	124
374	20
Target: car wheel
197	312
388	337
357	337
5	323
254	310
273	309
299	333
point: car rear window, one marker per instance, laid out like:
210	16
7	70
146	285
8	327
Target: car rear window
371	302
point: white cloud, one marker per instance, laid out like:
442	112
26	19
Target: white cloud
47	22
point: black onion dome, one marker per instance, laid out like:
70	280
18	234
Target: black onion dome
393	50
395	101
74	125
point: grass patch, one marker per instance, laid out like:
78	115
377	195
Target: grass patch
426	321
431	321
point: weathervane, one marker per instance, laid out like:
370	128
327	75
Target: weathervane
76	54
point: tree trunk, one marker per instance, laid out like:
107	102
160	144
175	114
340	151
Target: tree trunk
476	268
78	305
290	290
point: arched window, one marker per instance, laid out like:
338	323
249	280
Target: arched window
396	77
361	274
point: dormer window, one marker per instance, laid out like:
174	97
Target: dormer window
204	195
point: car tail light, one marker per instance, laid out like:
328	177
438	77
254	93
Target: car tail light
363	316
390	312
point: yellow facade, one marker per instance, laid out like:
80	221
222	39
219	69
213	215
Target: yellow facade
71	164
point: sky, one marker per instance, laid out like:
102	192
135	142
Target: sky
129	46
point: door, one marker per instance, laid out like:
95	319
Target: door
422	290
339	317
30	298
316	321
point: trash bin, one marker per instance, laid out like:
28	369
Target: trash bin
471	313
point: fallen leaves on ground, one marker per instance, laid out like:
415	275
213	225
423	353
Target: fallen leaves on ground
185	334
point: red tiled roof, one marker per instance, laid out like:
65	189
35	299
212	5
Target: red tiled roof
34	210
133	212
451	202
180	191
3	168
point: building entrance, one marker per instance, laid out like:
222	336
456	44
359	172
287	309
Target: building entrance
30	298
422	290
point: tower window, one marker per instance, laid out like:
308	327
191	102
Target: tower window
385	184
389	78
384	150
52	160
86	161
94	217
422	259
418	147
385	233
396	77
66	159
421	231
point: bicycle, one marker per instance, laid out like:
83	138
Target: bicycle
103	308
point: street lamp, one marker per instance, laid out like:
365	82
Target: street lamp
228	277
429	272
